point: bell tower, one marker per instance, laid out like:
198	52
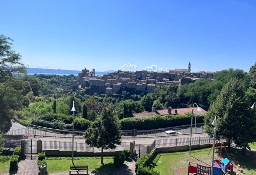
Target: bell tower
189	66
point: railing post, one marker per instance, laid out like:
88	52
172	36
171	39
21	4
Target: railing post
199	140
176	142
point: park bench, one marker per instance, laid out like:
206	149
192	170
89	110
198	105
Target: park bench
81	170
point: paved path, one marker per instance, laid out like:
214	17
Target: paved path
127	169
28	167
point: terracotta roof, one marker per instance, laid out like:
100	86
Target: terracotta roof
181	111
144	114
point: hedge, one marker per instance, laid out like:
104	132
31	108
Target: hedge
144	166
157	121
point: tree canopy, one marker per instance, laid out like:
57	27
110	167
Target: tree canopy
10	89
235	119
104	132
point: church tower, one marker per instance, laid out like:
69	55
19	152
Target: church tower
189	67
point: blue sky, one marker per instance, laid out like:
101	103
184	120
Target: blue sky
132	34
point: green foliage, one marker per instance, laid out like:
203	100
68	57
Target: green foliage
144	166
105	131
17	151
81	123
147	102
14	163
84	112
42	163
235	119
41	156
54	107
127	154
119	160
154	122
1	142
252	74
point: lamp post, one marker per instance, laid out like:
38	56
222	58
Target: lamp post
253	105
73	110
198	109
214	123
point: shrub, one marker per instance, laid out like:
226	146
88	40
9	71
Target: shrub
42	163
41	156
158	121
14	163
127	154
119	160
144	166
17	152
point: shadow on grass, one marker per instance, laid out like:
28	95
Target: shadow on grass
247	161
110	169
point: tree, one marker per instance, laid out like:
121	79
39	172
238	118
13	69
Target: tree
147	102
10	89
235	120
105	131
84	112
252	74
54	106
9	59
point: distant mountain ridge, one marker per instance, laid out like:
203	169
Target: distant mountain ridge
32	71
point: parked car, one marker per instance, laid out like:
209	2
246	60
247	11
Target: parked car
172	132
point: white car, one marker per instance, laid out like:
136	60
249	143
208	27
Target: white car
172	132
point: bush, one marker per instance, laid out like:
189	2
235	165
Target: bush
14	163
158	121
144	166
42	163
41	156
127	154
119	160
17	152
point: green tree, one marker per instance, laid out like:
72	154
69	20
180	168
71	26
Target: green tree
84	112
9	59
235	120
105	131
54	106
147	102
252	74
10	89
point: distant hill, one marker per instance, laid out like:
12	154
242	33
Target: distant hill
32	71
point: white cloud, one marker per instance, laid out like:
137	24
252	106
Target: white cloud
154	68
129	66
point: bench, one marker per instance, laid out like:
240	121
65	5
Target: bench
81	170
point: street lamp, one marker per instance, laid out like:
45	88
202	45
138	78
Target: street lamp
198	109
73	110
214	123
253	105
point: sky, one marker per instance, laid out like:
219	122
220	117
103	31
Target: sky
156	35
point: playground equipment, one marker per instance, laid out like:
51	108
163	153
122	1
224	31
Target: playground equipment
224	165
199	169
220	167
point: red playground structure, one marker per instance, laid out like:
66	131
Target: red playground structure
199	169
220	167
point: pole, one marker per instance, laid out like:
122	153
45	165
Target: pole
191	130
213	145
73	110
73	141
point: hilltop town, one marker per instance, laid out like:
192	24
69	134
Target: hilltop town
142	81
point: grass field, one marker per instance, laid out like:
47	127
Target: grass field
176	163
4	163
62	164
253	145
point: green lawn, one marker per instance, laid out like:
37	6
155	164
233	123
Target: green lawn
253	145
62	164
4	163
176	163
